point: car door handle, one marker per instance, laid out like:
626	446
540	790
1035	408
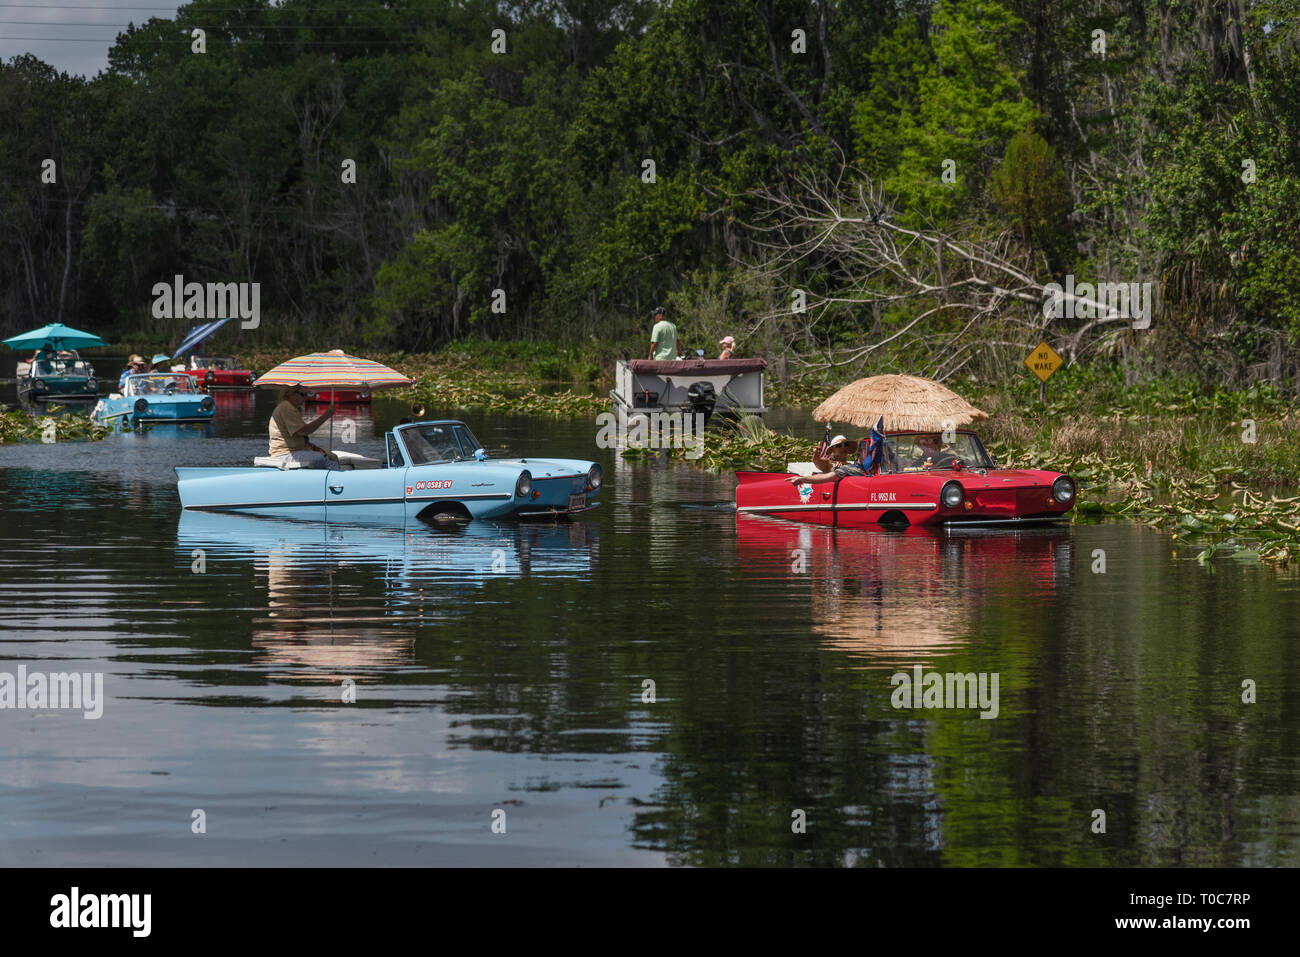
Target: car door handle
336	489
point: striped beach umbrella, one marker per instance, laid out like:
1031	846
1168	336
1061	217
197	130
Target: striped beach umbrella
332	370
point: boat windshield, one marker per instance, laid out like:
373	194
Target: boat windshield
61	367
920	451
159	384
443	442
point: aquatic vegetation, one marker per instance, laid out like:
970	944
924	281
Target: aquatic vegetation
744	443
443	393
1204	509
18	426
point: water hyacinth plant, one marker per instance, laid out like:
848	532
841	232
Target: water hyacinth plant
18	426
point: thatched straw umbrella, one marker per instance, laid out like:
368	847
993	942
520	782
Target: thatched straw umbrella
907	402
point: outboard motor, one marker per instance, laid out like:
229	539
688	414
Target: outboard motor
702	399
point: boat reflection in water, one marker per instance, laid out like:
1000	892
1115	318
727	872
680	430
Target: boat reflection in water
895	597
233	405
326	619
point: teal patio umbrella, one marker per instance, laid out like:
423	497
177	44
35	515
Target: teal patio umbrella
58	335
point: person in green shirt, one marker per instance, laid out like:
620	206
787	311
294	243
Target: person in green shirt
663	337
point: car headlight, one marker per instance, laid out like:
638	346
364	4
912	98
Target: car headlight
524	486
39	385
952	494
210	377
207	403
594	477
92	385
141	406
1063	489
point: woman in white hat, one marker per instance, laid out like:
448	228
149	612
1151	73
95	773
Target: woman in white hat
728	344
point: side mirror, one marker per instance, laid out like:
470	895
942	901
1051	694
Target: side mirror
480	454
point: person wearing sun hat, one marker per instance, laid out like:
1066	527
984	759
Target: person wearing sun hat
837	464
134	366
288	431
728	344
158	360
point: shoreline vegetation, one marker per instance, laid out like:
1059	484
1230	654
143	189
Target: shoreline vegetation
1206	464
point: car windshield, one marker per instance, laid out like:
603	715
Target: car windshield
158	384
214	362
444	442
918	451
61	367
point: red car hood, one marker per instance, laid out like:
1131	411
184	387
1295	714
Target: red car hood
1003	478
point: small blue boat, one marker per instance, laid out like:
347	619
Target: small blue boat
431	471
156	398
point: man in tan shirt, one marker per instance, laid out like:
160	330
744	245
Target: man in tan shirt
289	430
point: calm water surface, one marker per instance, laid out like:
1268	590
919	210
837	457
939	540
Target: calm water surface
504	668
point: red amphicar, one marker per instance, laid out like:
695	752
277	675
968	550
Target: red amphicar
915	478
220	372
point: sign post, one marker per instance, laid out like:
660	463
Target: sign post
1042	362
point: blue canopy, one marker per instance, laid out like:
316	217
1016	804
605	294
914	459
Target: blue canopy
197	335
56	334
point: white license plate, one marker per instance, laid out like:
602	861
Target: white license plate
577	502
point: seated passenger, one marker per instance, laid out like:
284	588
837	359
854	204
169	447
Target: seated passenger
288	432
135	366
837	464
933	454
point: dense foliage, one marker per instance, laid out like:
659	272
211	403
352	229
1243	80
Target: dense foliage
609	159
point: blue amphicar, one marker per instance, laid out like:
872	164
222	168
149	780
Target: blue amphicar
430	470
156	398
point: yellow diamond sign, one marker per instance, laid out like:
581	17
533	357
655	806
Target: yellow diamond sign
1043	361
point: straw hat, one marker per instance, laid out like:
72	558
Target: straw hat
906	402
